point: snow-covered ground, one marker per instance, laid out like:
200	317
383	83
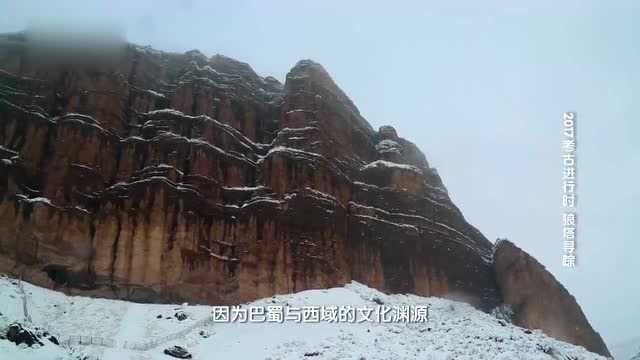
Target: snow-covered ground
453	330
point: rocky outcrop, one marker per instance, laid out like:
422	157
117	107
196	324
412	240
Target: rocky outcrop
171	177
539	301
18	334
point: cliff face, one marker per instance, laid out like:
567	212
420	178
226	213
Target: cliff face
539	301
180	177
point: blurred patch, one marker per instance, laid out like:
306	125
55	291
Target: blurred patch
77	44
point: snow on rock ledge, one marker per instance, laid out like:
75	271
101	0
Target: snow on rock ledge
389	164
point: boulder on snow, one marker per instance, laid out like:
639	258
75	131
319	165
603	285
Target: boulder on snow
54	340
18	334
180	315
178	352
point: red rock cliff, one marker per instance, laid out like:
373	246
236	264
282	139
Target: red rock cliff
167	177
539	301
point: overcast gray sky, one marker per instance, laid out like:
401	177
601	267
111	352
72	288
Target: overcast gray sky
480	88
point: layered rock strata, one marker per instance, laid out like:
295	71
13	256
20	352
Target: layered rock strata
172	177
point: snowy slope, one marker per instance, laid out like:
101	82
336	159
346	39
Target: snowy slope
453	331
